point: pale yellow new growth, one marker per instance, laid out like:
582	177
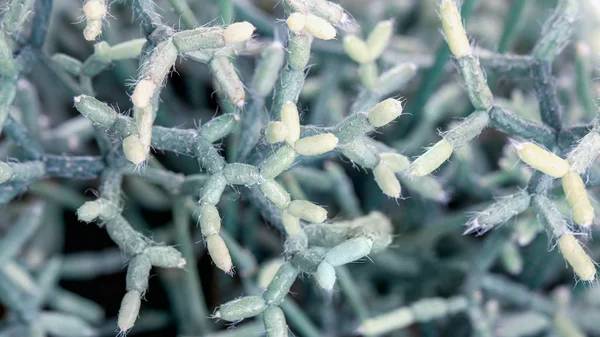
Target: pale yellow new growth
319	28
94	10
577	197
291	119
577	257
542	160
92	29
307	211
144	120
210	220
316	145
276	132
356	49
296	22
396	319
432	159
396	162
219	253
290	223
134	150
238	32
454	30
379	38
130	308
142	94
267	272
89	211
385	112
386	180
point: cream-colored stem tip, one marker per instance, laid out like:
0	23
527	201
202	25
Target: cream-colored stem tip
290	223
379	38
316	145
542	160
386	180
94	10
291	119
296	22
134	150
238	32
219	253
454	30
142	94
577	197
130	308
577	257
432	159
92	30
89	211
394	161
276	132
357	49
319	28
385	112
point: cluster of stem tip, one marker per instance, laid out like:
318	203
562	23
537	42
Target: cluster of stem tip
312	24
317	18
538	158
346	241
569	170
262	148
288	130
582	212
477	88
94	11
212	45
143	252
223	174
367	52
546	162
421	311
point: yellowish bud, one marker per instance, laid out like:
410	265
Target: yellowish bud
356	49
394	161
219	253
542	160
316	145
296	22
134	150
307	211
319	28
454	30
130	308
432	159
291	119
379	38
385	112
276	132
290	223
577	197
577	257
94	10
238	32
386	180
142	94
92	30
